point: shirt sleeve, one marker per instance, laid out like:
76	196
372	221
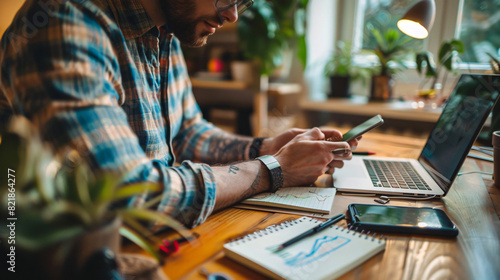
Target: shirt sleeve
66	79
197	139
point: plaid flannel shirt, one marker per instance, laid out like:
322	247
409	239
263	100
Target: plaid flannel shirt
100	77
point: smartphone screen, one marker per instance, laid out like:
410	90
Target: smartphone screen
402	219
362	128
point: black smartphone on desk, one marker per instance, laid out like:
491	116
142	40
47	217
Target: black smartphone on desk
361	129
398	219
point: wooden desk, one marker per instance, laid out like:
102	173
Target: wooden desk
473	204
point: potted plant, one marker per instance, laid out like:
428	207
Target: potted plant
447	58
269	28
341	70
390	50
61	214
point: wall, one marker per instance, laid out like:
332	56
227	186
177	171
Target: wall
322	16
8	9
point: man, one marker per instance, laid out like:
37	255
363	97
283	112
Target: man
107	77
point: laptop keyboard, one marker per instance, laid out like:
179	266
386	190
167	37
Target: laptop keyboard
394	174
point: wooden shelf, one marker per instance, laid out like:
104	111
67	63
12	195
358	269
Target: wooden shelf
401	110
218	84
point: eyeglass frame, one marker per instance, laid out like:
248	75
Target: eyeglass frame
222	9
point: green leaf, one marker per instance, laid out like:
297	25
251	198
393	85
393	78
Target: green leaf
140	241
135	189
447	52
270	27
41	240
103	188
424	59
134	224
67	208
11	149
153	201
302	50
380	41
161	218
82	186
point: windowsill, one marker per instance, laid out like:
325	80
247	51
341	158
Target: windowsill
360	106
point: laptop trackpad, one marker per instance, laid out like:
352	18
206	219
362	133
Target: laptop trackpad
352	169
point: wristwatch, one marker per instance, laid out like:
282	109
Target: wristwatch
275	171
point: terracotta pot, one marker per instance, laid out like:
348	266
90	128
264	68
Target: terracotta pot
381	88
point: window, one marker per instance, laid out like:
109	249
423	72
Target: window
480	30
383	15
475	22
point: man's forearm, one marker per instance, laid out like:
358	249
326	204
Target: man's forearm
229	148
239	181
212	145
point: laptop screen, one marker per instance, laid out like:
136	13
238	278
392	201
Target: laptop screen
458	126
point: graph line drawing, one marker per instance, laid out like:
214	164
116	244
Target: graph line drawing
321	248
312	193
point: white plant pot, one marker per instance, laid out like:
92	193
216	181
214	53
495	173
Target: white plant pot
243	71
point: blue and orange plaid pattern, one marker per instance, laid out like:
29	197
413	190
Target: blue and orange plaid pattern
98	76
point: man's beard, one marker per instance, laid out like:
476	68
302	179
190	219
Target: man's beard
183	26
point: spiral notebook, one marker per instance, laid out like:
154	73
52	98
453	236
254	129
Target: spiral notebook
325	255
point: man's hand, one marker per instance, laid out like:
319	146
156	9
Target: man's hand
308	155
270	146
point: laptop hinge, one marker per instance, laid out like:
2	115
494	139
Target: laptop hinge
440	180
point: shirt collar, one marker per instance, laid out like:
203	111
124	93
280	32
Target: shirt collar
131	17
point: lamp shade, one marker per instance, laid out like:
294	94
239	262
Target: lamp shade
418	19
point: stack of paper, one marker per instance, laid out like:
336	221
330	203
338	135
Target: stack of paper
296	200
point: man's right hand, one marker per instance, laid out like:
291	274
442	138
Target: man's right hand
308	156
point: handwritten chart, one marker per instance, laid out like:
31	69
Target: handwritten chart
321	248
304	198
324	255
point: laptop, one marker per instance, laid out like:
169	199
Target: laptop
447	146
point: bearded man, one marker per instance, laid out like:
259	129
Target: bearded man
108	78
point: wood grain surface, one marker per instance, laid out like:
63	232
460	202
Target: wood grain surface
472	204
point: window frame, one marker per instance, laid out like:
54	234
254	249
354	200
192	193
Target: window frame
446	26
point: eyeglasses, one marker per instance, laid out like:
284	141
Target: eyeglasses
241	5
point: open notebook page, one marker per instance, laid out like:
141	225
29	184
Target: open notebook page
319	200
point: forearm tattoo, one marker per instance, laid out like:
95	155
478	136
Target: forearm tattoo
233	169
227	150
249	192
253	187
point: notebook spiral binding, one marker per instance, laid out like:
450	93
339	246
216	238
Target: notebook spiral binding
275	228
367	234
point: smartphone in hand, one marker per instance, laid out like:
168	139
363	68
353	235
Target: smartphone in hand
363	128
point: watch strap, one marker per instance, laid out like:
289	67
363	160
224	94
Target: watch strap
275	171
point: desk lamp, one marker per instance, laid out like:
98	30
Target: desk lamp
418	19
